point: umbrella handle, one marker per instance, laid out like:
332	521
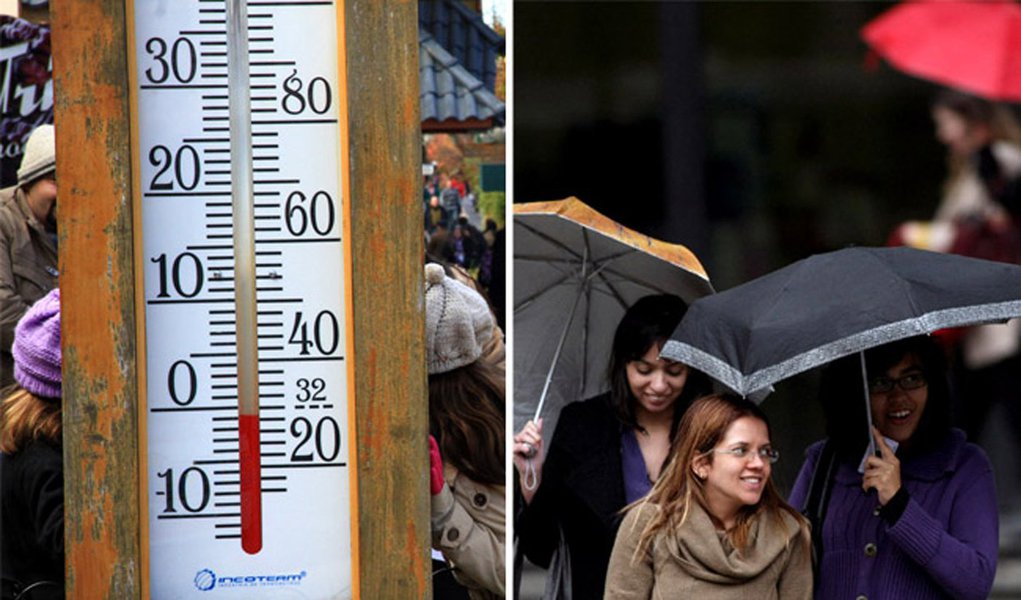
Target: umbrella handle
530	478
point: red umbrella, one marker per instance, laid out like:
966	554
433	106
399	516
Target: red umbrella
973	46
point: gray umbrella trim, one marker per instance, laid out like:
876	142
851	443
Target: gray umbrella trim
753	383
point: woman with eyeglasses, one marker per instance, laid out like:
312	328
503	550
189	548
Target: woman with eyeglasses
714	525
918	519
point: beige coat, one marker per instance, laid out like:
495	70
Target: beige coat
469	528
28	269
699	562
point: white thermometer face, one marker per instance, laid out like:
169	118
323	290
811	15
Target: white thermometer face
248	497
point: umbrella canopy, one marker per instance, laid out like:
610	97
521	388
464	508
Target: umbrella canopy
575	273
972	46
831	305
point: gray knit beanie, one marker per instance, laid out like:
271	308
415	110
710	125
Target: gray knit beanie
458	322
39	157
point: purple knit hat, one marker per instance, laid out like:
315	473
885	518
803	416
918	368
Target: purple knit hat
36	347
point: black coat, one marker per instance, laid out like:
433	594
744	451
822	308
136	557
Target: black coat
582	491
32	521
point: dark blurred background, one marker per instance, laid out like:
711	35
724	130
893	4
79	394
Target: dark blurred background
755	133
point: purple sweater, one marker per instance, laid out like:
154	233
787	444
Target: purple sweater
944	544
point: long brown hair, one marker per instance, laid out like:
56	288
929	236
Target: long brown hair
466	416
25	417
702	427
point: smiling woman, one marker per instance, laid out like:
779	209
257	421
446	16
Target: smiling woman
929	530
606	451
714	524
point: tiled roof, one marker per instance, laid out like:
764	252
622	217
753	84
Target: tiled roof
449	92
464	35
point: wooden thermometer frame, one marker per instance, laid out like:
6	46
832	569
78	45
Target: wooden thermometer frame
106	537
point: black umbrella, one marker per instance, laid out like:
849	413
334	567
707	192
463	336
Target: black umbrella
832	305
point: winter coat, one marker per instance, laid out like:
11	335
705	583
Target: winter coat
469	527
28	269
699	562
581	494
32	517
944	544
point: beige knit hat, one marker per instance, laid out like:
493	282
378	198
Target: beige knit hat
458	322
39	157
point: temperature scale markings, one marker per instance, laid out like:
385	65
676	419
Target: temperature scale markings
293	122
229	432
201	516
297	3
192	301
299	240
183	194
190	409
304	466
184	86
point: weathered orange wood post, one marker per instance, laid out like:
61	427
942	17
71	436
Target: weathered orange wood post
116	494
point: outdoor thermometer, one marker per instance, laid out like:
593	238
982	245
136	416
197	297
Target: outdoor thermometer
249	475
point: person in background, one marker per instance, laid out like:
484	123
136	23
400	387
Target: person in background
919	520
466	423
606	451
441	244
981	195
31	463
979	216
28	240
714	525
435	216
460	245
450	199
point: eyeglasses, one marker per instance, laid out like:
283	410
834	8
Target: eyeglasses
884	385
766	453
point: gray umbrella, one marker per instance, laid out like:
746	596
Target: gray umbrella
832	305
575	273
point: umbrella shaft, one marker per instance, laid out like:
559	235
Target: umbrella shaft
868	403
556	355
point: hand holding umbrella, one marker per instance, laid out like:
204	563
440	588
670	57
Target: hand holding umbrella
529	455
882	472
